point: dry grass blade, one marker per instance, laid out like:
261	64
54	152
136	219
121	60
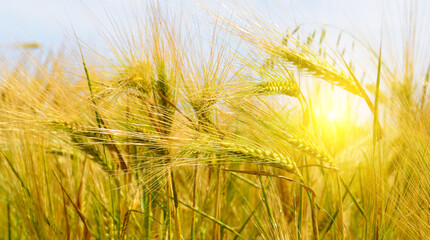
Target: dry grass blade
87	232
229	228
267	174
66	216
127	215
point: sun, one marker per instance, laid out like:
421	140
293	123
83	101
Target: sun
336	108
333	116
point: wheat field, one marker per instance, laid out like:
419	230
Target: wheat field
233	128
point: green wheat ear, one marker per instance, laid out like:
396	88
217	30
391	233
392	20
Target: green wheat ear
164	96
317	67
266	157
313	150
82	138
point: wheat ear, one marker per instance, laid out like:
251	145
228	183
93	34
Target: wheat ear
267	157
318	67
277	87
79	136
301	144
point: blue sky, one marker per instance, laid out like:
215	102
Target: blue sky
50	21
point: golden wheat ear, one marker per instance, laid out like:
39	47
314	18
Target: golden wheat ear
273	78
277	87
